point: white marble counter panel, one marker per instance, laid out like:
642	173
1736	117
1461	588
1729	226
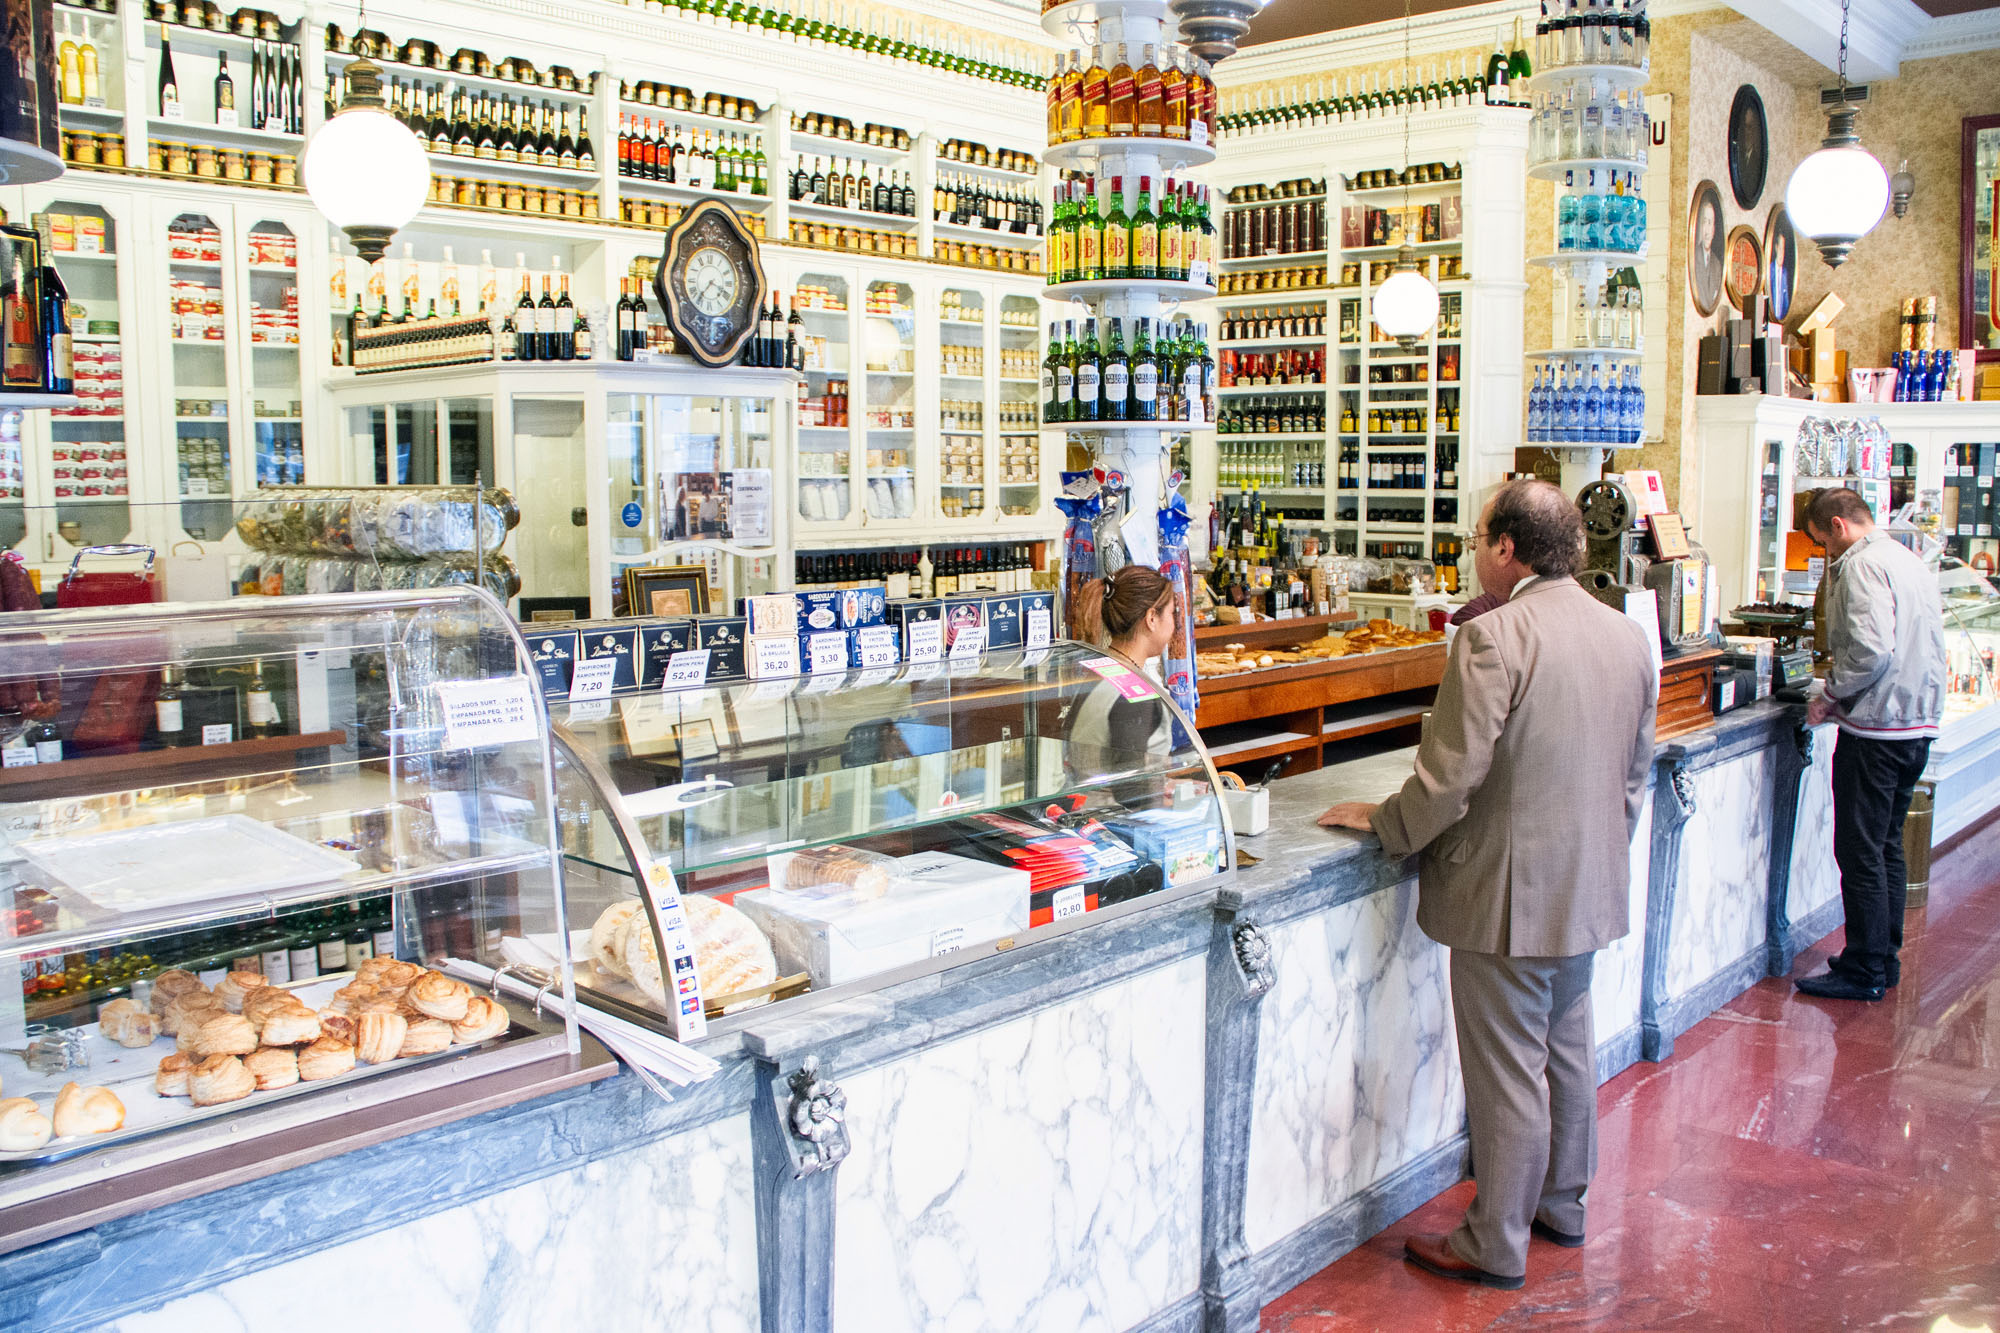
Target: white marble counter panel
1357	1067
1815	877
668	1229
1619	975
1725	871
1042	1174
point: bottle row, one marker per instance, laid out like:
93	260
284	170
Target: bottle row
1565	409
1594	32
79	70
1393	472
35	347
1259	369
488	128
979	155
1168	377
1262	113
1610	317
1247	467
1605	215
1589	122
1272	416
1267	324
1395	419
1299	187
1299	278
1169	237
275	99
968	201
903	245
1448	329
1421	173
1102	93
1293	226
1925	376
698	159
920	571
831	186
203	14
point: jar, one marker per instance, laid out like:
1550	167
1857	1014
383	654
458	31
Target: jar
111	150
532	200
180	162
286	168
588	203
260	168
466	192
513	196
156	155
81	149
567	204
233	168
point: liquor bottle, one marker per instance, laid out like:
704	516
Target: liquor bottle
1064	350
1094	98
1117	233
564	318
1145	234
586	154
795	340
1088	367
463	143
42	736
1122	97
1051	405
58	363
1089	235
1117	374
1145	373
170	88
20	357
1519	69
527	337
225	91
260	710
169	724
545	324
1496	71
412	283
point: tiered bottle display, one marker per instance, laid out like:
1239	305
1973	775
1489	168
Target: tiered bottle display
1118	229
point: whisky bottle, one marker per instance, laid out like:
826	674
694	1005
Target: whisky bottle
169	724
260	709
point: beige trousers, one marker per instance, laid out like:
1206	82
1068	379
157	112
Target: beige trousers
1529	1057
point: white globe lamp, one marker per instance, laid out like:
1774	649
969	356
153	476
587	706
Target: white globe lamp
1838	194
364	168
1406	306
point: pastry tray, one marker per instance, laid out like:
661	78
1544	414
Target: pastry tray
155	866
129	1072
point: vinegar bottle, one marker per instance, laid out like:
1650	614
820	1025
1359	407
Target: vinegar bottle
1151	114
1124	97
1096	97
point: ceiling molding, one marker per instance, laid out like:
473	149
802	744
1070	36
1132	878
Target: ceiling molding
1956	34
1878	31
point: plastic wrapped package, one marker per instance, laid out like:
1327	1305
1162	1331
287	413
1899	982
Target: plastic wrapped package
1176	566
1078	502
388	537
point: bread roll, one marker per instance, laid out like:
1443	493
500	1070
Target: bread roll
221	1034
23	1127
730	953
607	937
484	1018
273	1067
436	995
127	1024
860	871
341	1027
172	1080
170	985
381	1038
426	1036
232	988
81	1110
292	1026
218	1079
329	1057
352	993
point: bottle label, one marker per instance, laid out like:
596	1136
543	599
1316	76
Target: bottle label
1090	238
1146	244
1065	254
1117	252
1117	383
304	963
1048	385
1088	384
167	714
1191	391
333	955
1146	384
1171	260
276	965
263	709
565	320
1065	386
61	358
545	319
48	752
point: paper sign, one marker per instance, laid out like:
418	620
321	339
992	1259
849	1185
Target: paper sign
1816	567
969	644
1038	633
926	640
678	962
947	939
1198	274
878	647
777	656
171	111
479	713
225	117
687	668
1122	678
1198	133
593	679
218	733
1068	902
595	711
829	652
20	756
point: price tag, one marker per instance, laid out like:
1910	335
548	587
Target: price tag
478	713
877	645
593	679
829	653
775	657
1198	133
197	487
1038	631
969	644
688	668
595	711
89	245
1069	902
926	640
171	111
218	733
19	756
1198	274
225	117
1816	568
947	939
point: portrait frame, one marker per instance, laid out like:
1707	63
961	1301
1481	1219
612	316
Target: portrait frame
666	590
1781	263
1706	260
1743	268
1749	147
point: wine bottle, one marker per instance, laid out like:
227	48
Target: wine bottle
257	103
545	324
564	317
586	156
58	365
170	88
527	339
225	91
565	146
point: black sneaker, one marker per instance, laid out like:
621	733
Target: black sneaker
1832	985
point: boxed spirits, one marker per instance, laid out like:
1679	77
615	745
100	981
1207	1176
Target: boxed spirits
618	642
725	638
659	640
1003	620
553	653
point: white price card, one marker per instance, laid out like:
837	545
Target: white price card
478	713
1068	902
926	640
19	756
171	111
1198	133
1038	629
1816	567
218	733
687	668
775	656
947	939
225	117
876	645
829	652
1198	274
593	679
594	711
969	644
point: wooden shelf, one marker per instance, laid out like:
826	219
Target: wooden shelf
1268	633
93	774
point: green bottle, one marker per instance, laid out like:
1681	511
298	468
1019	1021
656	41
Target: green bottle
1118	256
1089	375
1145	234
1117	374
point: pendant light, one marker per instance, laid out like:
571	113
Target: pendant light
1212	28
1837	195
364	168
1406	306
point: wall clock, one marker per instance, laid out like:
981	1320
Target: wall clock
1749	147
1743	269
711	283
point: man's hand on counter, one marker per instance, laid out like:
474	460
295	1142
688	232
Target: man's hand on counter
1352	815
1818	709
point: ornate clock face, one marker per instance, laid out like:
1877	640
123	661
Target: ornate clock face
711	281
711	284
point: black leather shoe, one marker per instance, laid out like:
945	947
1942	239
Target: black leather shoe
1837	986
1569	1240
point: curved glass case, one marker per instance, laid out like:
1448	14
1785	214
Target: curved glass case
839	832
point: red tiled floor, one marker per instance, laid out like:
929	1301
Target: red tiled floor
1798	1165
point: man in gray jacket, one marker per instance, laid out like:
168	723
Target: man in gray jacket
1528	784
1885	689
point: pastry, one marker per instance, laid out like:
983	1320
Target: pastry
859	871
426	1036
173	983
730	953
221	1034
387	1003
381	1037
329	1057
81	1110
127	1024
273	1067
218	1079
353	993
294	1025
232	988
438	996
172	1080
387	972
607	937
23	1126
261	1003
483	1018
341	1027
187	1009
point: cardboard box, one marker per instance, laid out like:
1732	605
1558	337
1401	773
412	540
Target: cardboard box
659	640
1820	316
773	613
725	638
841	608
824	650
553	653
961	613
1003	620
874	646
918	621
620	642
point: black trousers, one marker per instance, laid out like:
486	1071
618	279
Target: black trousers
1872	784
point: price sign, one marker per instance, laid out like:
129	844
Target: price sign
171	111
1038	628
221	733
1198	133
1198	274
829	653
1069	902
969	644
688	668
947	939
775	657
595	711
225	117
593	679
478	713
926	640
877	646
20	756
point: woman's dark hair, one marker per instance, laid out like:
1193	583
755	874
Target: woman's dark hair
1547	529
1117	604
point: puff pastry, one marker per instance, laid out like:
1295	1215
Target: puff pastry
171	984
436	995
341	1027
329	1057
381	971
381	1037
607	937
426	1036
218	1079
81	1110
294	1025
272	1067
127	1024
261	1003
233	988
483	1018
23	1126
187	1009
172	1080
354	992
221	1034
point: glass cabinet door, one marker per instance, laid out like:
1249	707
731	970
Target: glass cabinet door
395	444
1018	478
962	349
889	342
277	407
826	444
89	473
13	482
699	474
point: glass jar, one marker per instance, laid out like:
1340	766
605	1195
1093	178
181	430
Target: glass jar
233	167
180	162
286	168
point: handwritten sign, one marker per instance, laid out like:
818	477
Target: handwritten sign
479	713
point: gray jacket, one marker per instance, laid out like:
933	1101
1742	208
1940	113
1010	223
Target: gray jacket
1885	627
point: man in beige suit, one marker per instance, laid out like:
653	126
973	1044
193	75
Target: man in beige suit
1526	794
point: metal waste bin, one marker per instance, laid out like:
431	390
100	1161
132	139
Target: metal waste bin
1917	844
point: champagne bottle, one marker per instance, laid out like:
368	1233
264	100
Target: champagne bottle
170	88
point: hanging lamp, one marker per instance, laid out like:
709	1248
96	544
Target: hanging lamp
364	168
1406	306
1838	194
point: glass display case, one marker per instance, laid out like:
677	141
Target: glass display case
784	838
826	442
198	330
254	855
889	342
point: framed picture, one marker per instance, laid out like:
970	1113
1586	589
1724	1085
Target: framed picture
1979	221
1705	242
666	590
549	610
1749	147
1781	263
1743	269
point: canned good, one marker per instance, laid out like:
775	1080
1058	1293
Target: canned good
111	150
180	162
207	162
233	166
286	168
260	168
82	149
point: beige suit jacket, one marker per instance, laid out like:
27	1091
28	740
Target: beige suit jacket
1529	778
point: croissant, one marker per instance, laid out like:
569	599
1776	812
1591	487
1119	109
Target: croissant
170	985
294	1025
272	1067
439	996
483	1018
233	988
172	1080
329	1057
426	1036
352	994
23	1126
127	1024
381	1037
218	1079
222	1034
81	1110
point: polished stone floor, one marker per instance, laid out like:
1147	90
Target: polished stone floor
1797	1165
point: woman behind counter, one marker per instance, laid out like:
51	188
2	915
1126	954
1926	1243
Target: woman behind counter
1131	610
